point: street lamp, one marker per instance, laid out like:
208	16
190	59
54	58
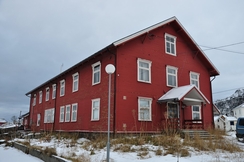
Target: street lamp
110	70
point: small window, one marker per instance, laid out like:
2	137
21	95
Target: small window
74	112
196	113
231	122
96	73
144	70
62	87
47	94
171	76
54	91
67	113
194	79
170	44
95	109
40	97
144	109
75	82
61	118
38	119
34	100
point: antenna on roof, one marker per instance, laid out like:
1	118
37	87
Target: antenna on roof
61	68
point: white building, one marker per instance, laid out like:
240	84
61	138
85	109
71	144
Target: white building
225	123
239	111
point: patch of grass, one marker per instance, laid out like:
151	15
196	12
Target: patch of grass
49	151
159	152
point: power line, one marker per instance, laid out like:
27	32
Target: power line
228	90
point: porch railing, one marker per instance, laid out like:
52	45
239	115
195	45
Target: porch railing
193	124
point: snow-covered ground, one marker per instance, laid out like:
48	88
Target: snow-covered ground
65	147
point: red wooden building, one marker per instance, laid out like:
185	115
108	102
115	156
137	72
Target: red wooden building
161	74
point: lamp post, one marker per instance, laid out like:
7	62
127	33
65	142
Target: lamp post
110	70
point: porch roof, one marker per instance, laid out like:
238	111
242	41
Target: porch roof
188	94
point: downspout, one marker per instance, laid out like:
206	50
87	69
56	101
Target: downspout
212	101
115	80
55	103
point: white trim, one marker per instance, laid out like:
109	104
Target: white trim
38	120
174	43
150	108
34	100
176	75
98	71
75	80
40	97
61	114
47	96
149	69
200	114
193	79
98	109
54	89
67	112
72	111
62	86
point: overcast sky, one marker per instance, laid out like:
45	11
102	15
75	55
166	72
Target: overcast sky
38	36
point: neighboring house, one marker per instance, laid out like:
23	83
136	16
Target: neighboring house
161	74
24	121
216	111
2	121
239	111
226	123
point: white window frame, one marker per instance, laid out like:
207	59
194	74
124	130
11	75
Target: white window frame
95	109
49	115
38	120
196	112
40	97
67	113
74	112
54	88
195	81
172	75
140	109
139	69
61	116
75	82
95	72
62	87
34	100
47	93
169	43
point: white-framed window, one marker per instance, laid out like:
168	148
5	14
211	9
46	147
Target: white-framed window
40	97
54	91
196	112
67	113
171	73
144	70
61	117
62	87
95	109
194	79
74	112
47	93
34	100
144	109
170	44
75	82
96	73
49	116
38	120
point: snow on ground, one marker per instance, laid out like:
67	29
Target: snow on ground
65	147
9	154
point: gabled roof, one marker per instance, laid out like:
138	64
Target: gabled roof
188	94
240	106
174	22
